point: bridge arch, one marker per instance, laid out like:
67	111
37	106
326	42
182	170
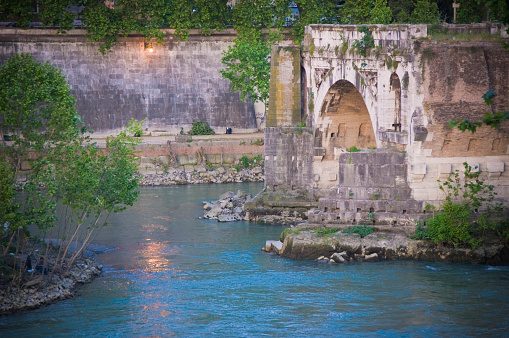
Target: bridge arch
343	121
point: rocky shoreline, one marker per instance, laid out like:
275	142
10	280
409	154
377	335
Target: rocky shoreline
203	175
230	208
39	290
348	247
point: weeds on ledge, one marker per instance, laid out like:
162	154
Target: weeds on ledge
362	230
468	214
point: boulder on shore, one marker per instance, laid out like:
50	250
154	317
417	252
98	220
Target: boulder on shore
229	207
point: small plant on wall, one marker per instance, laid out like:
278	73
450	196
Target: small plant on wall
135	128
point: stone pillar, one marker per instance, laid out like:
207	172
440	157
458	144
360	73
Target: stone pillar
285	87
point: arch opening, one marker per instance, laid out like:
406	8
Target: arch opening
343	121
393	122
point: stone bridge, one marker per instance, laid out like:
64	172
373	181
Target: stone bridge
388	90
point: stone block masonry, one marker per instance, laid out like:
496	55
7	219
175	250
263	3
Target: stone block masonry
394	102
178	83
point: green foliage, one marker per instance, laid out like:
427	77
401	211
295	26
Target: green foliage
326	231
365	11
353	149
362	230
248	64
427	55
388	62
36	104
470	11
206	15
288	231
459	220
103	23
344	47
421	232
135	128
452	225
425	12
258	142
67	172
490	119
367	42
247	162
201	128
381	13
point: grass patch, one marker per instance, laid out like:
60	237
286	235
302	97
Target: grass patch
326	231
362	230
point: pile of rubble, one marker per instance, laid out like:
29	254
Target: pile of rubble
229	207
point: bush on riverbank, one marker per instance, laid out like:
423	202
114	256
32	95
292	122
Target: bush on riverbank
468	215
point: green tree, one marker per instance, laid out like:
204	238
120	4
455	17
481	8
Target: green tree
38	112
102	20
248	64
425	12
365	11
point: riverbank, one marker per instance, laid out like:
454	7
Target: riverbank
38	290
200	174
339	247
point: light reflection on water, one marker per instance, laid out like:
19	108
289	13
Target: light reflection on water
176	274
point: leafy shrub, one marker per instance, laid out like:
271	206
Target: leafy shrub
201	128
246	162
459	223
135	127
362	230
364	44
452	225
421	232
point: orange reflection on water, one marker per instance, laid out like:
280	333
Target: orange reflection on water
153	257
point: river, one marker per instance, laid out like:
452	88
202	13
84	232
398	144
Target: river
176	274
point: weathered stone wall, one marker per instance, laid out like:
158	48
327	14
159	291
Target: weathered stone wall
288	158
285	87
455	77
178	83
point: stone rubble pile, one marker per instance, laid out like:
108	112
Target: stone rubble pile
60	287
342	257
229	207
200	175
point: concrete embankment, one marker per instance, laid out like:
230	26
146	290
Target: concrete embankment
185	159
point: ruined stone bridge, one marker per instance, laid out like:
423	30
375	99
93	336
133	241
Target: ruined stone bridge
392	98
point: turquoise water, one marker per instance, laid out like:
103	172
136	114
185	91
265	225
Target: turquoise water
176	274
